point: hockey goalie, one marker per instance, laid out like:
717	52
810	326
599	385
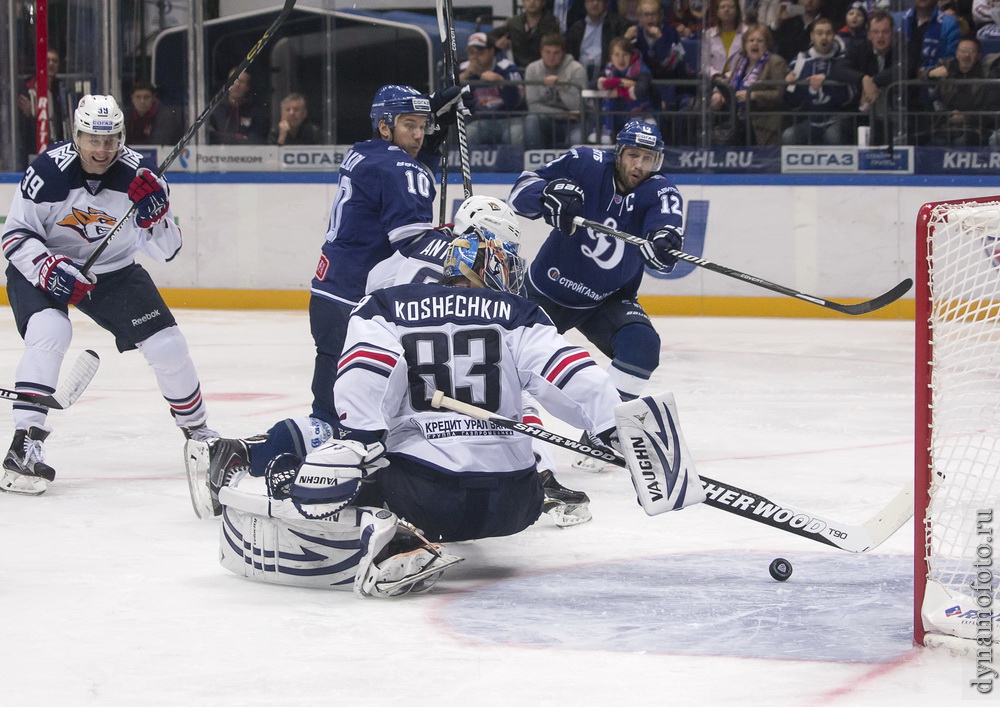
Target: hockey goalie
370	511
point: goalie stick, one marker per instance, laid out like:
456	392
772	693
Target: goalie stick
853	309
732	499
70	390
195	127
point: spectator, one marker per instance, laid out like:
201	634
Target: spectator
238	120
853	32
954	101
687	17
723	39
929	34
810	92
589	39
870	67
522	34
986	17
950	7
295	128
764	12
149	122
757	62
27	103
984	12
660	47
627	82
493	123
553	118
793	33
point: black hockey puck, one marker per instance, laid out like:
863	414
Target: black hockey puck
780	569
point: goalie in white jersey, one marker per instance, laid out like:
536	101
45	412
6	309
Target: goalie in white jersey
70	198
328	521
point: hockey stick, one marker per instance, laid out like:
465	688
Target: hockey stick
70	390
731	499
196	126
446	28
853	309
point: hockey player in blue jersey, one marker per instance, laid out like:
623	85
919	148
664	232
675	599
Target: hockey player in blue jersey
590	281
330	520
71	196
384	202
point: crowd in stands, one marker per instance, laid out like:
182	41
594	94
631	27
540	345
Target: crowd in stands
708	72
770	72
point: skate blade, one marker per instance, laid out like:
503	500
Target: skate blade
437	566
23	484
196	461
568	515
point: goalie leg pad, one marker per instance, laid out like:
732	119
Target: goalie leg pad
303	553
657	457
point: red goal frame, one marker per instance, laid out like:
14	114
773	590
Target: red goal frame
923	413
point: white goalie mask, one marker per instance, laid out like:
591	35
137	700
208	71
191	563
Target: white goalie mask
486	260
492	214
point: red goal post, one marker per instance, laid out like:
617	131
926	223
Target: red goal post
957	424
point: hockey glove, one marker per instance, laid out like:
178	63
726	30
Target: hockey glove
562	201
149	194
448	102
61	278
328	480
656	250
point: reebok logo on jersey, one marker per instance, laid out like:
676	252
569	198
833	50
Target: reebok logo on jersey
93	224
146	317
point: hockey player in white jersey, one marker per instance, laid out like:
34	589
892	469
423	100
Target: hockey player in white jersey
423	262
71	196
330	520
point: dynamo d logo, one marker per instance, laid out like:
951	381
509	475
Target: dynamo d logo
554	274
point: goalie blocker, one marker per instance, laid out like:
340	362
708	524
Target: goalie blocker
656	455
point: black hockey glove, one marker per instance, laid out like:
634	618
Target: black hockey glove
656	250
562	201
448	102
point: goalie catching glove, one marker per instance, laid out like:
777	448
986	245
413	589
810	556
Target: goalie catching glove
562	201
656	249
61	278
149	194
327	481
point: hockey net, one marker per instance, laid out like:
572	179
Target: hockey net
957	492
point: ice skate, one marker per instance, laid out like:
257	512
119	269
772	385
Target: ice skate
567	507
25	471
407	565
583	462
210	466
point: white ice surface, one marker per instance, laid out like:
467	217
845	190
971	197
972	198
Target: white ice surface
111	592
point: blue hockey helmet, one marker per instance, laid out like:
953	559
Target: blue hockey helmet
638	133
485	259
393	101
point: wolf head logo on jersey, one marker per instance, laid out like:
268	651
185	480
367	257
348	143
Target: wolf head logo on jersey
93	224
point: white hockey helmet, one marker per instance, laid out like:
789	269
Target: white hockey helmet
489	213
99	115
